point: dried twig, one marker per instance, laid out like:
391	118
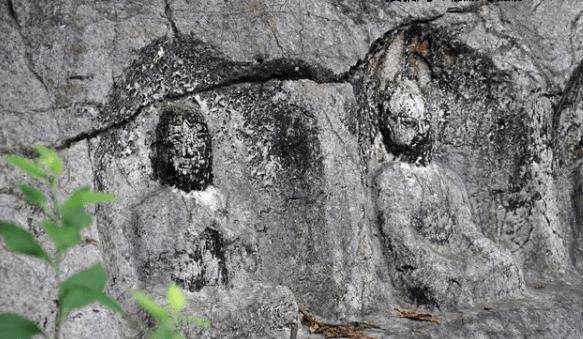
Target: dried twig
353	330
417	315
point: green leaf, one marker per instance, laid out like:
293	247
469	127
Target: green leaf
110	303
165	332
21	241
15	326
81	289
84	196
27	166
80	296
200	322
76	297
92	278
33	195
151	307
75	217
50	159
63	237
175	298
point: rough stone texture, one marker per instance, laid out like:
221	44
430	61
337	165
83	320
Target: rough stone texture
349	157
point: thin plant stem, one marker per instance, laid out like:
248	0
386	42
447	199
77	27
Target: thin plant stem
54	185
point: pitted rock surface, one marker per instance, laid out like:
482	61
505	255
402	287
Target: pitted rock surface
346	157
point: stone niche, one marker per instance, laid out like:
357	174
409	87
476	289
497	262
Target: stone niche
432	100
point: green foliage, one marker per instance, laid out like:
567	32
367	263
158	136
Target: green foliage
49	159
20	241
169	318
63	224
14	326
166	332
200	322
75	217
27	166
151	307
33	195
84	196
63	237
175	298
85	288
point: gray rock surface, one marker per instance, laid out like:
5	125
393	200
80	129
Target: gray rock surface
346	157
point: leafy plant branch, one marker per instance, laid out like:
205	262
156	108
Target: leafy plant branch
170	318
63	222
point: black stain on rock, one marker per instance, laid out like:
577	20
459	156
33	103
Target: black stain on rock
421	295
283	147
210	244
202	264
437	80
182	155
434	224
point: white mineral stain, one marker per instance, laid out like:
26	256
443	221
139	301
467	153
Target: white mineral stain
210	197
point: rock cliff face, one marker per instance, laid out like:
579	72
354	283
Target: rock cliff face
346	157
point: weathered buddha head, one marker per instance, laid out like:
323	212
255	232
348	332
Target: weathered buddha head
405	122
183	149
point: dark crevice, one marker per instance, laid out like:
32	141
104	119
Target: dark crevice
277	42
406	267
27	55
281	69
80	77
12	12
569	97
169	14
577	229
98	131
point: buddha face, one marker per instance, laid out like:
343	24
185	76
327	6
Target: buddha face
183	150
405	121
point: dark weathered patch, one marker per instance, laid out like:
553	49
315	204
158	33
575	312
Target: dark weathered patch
203	264
421	295
182	154
567	144
174	68
460	87
210	242
435	224
283	148
567	140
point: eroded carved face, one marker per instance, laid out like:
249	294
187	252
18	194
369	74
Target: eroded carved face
405	120
183	150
